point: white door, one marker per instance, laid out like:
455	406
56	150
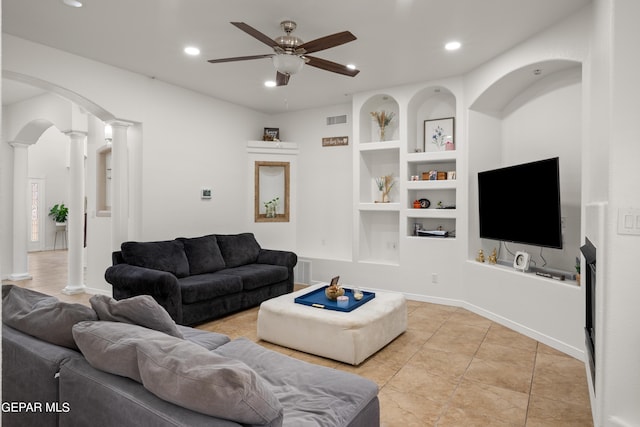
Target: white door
37	215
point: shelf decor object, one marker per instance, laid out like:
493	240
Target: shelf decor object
385	183
439	133
383	119
271	207
271	134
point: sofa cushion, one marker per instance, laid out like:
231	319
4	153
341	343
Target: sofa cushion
208	286
166	256
311	395
238	249
207	339
179	371
42	316
258	275
140	310
203	254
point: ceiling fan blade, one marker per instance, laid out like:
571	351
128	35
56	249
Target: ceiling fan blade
328	41
255	33
240	58
334	67
282	79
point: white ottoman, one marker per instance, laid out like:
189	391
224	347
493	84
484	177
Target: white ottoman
349	337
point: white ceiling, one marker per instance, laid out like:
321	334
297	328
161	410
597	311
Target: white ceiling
399	41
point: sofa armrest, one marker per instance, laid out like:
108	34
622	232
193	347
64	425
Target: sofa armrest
130	280
276	257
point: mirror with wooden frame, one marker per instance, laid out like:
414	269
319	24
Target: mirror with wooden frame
271	192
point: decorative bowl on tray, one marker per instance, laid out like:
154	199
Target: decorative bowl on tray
332	292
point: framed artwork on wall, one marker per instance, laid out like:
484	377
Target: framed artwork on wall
439	134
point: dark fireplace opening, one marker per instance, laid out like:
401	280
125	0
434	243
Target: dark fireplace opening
589	253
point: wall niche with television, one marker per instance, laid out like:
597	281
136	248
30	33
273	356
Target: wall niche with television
531	114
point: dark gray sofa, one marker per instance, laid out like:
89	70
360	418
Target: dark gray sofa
202	278
63	388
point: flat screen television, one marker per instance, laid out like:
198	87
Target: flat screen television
521	204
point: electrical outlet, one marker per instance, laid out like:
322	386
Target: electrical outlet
434	277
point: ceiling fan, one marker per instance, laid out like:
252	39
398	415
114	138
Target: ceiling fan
291	53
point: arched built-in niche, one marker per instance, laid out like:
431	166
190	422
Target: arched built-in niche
369	129
434	102
531	113
431	168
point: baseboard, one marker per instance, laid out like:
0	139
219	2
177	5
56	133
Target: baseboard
531	333
95	291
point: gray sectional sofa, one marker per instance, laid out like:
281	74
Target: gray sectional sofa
128	364
202	278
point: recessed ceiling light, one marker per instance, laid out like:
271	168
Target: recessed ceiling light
72	3
270	83
192	50
452	45
351	66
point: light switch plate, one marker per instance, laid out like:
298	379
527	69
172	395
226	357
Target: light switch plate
629	221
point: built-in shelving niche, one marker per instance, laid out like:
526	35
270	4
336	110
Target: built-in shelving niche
431	103
103	181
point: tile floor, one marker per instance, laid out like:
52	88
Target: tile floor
450	368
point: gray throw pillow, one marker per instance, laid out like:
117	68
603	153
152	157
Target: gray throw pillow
166	256
203	254
140	310
42	316
179	371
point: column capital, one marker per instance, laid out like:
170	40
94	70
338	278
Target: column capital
19	144
75	133
119	123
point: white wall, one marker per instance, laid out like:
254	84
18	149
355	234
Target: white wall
324	182
616	62
188	141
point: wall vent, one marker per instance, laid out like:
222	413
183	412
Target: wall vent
302	271
336	120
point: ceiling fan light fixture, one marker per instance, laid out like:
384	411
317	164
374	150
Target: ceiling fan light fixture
287	64
351	66
270	83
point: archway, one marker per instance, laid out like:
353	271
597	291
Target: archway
77	132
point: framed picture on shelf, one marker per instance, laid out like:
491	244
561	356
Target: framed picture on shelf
439	134
271	134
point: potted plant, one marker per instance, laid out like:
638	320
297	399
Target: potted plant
271	207
59	213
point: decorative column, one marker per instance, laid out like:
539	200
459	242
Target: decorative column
20	211
119	184
75	222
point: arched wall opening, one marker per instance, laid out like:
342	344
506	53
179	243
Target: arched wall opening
89	119
529	114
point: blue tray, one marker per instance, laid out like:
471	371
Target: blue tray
318	299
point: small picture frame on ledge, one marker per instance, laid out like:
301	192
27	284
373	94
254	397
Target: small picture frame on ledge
439	134
271	134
